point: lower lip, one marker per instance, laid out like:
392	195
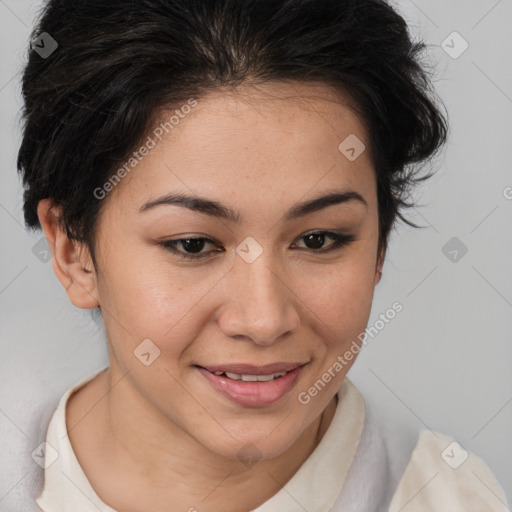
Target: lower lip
253	394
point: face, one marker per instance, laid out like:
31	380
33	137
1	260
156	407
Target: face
254	284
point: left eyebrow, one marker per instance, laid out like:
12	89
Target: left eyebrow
217	209
334	198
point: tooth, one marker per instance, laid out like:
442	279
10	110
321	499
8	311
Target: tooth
249	378
265	378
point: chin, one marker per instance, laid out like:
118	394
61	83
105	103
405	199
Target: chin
250	449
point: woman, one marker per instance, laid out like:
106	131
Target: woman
220	178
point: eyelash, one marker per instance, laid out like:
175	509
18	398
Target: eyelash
340	241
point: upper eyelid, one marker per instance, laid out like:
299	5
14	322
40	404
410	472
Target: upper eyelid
211	240
329	234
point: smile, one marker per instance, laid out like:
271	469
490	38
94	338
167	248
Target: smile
251	378
255	387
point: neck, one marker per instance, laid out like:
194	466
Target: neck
159	463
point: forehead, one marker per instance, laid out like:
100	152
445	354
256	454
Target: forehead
277	139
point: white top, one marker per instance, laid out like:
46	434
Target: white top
349	471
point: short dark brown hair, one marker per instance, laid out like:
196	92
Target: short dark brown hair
88	105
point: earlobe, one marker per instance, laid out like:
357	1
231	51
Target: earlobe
71	261
378	276
380	264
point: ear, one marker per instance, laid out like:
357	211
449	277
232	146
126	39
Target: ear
71	260
380	263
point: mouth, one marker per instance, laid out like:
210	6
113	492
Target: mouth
251	373
251	385
251	378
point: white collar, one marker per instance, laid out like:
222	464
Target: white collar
315	486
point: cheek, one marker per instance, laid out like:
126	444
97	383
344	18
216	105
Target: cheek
342	296
144	300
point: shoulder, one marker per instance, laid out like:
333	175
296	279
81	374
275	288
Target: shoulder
398	468
443	476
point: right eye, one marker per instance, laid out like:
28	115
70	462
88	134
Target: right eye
192	244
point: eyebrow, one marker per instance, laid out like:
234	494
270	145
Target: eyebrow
217	209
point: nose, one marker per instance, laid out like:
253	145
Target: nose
261	306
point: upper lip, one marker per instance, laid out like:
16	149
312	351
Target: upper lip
249	369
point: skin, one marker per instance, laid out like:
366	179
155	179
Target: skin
159	437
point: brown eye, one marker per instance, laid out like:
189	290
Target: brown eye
191	247
316	240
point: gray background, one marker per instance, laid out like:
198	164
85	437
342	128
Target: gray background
443	363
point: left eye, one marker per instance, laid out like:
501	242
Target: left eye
340	240
193	246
